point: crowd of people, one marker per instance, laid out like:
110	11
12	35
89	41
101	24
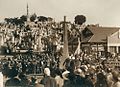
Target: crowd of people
81	70
39	36
35	35
29	63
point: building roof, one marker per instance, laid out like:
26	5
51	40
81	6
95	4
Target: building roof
100	34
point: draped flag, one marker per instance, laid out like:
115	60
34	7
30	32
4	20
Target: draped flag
78	50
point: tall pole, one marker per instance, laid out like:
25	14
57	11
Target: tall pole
65	40
27	10
28	13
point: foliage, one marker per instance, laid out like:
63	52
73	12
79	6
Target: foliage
23	18
42	18
14	21
87	33
80	19
33	17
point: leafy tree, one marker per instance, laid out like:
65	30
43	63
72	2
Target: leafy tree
33	17
14	21
80	19
86	33
8	20
50	19
42	18
23	18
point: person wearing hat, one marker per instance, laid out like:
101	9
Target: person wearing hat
66	63
13	81
59	78
47	80
66	78
116	79
79	78
109	77
101	80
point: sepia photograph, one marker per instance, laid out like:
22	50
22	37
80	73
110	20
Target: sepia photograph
59	43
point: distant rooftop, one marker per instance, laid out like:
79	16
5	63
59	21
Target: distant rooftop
100	34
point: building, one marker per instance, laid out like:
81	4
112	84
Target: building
100	39
114	42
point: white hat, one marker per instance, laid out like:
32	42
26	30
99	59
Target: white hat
47	71
85	67
73	58
64	75
78	71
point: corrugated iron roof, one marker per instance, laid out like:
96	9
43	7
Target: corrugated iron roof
100	34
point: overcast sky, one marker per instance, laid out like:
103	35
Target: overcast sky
103	12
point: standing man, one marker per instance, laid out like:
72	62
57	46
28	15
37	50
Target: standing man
47	80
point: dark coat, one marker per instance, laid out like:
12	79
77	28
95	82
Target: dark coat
48	81
12	82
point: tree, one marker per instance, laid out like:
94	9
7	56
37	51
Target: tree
8	20
42	18
15	21
23	18
80	19
50	19
33	17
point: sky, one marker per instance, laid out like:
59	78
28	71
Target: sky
102	12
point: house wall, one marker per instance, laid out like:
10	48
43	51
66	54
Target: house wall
94	47
114	42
